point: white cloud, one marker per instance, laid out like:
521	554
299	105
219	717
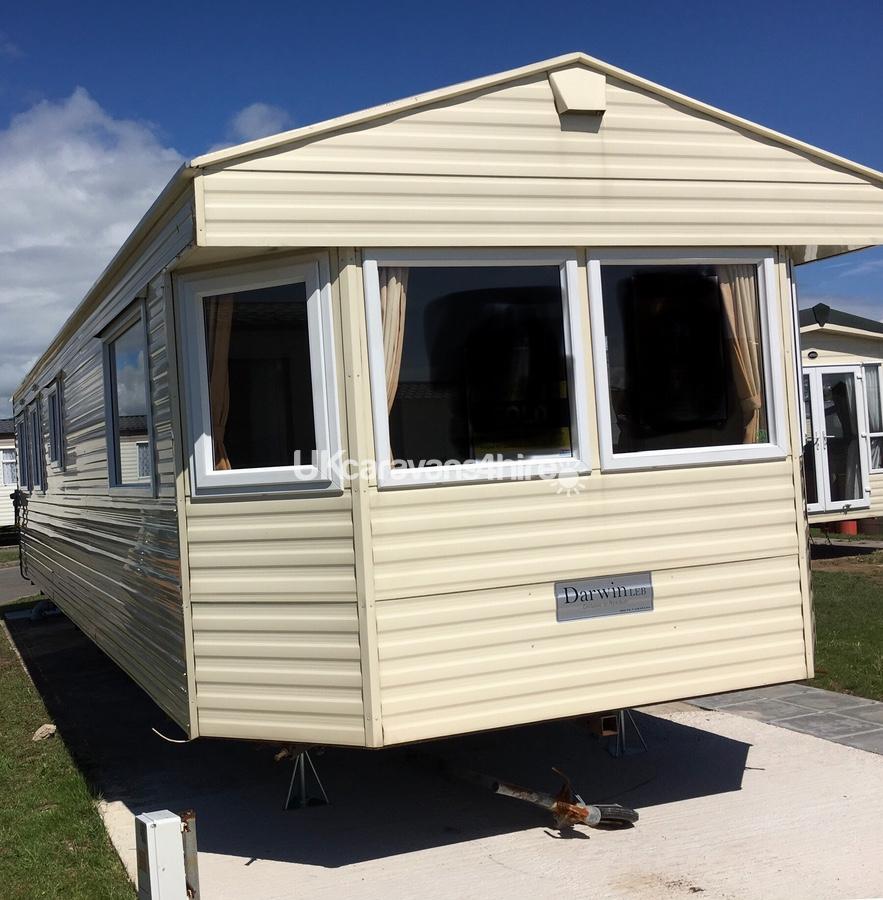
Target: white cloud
254	121
74	182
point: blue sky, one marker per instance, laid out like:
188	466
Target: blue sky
92	86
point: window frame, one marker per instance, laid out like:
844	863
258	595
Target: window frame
4	462
36	449
55	398
777	445
872	434
191	289
133	316
578	463
23	446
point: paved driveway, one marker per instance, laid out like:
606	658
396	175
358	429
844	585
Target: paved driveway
13	586
730	806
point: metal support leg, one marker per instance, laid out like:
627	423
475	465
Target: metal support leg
297	788
620	746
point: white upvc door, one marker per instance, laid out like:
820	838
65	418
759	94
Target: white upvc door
836	459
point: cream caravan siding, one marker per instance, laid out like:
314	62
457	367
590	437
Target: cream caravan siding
499	168
466	614
465	538
840	349
111	562
7	510
275	619
130	472
471	660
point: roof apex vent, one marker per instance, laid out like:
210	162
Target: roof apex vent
579	90
822	312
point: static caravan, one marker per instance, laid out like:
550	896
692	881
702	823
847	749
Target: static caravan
8	472
475	409
842	356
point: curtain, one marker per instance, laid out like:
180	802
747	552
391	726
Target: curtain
845	463
875	407
875	414
738	286
393	300
218	325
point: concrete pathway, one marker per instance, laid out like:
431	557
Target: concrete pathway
13	586
730	807
853	721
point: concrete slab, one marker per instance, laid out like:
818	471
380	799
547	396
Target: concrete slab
765	709
827	726
774	691
13	586
813	698
873	712
871	741
730	807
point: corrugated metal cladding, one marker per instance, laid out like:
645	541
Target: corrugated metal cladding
275	619
466	623
460	662
499	167
112	563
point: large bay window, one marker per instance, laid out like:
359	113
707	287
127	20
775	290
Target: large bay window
472	369
683	369
260	356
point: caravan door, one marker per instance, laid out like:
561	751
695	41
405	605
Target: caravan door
836	459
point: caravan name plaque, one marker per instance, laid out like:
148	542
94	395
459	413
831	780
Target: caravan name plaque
609	595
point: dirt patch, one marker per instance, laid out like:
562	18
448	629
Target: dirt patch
855	561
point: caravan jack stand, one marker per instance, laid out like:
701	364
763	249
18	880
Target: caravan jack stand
297	788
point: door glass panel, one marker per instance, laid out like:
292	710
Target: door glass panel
809	447
841	430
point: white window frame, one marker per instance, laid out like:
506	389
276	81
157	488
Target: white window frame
54	398
771	333
873	434
579	462
191	290
25	481
138	447
36	462
6	462
820	451
134	316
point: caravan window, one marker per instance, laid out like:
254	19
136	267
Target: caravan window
21	439
127	399
56	426
10	467
36	462
687	376
471	368
873	387
263	406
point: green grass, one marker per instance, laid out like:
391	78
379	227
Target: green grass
8	556
849	629
52	841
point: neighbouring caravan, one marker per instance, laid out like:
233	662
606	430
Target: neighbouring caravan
842	414
475	409
8	473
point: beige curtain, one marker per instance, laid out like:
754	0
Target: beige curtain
739	291
393	300
219	323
